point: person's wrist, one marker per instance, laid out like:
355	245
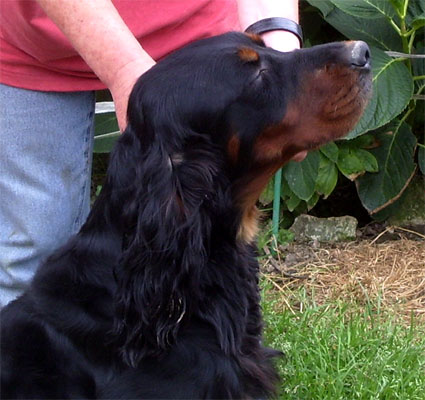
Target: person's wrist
130	71
122	85
281	40
279	33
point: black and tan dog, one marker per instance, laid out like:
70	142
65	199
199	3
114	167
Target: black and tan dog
157	296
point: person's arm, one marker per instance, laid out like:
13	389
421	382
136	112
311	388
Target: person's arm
251	11
100	36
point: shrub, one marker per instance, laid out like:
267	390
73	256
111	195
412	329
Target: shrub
382	152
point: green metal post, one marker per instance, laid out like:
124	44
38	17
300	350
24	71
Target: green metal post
276	204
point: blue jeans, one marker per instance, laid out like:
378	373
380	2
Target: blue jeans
46	142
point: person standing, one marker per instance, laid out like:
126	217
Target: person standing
53	56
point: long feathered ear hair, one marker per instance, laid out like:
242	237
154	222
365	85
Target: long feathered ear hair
169	173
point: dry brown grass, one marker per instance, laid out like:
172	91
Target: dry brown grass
392	271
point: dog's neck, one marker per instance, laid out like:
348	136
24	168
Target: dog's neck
103	232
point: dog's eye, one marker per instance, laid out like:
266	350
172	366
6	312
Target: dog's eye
260	75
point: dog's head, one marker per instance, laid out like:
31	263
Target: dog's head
207	128
258	108
262	105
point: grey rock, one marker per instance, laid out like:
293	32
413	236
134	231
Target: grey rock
307	228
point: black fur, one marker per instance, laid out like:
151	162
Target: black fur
157	295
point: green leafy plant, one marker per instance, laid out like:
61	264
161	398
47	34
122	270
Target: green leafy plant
381	154
386	148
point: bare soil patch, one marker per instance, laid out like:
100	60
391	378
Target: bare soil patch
390	273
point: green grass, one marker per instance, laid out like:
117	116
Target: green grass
340	351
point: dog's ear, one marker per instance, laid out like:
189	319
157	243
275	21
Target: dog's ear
173	172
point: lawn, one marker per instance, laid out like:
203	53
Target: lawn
339	343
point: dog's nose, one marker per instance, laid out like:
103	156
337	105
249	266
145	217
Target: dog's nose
360	55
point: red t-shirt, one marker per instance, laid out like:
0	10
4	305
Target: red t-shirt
34	53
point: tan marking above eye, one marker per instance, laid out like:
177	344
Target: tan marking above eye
247	54
256	38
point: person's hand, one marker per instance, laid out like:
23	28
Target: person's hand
122	86
281	40
104	41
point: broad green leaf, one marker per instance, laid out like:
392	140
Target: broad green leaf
396	168
366	8
392	91
301	176
377	32
325	6
288	196
330	150
416	14
418	23
349	164
362	141
421	159
104	143
327	176
268	193
353	162
312	201
409	204
292	202
398	5
418	65
368	160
